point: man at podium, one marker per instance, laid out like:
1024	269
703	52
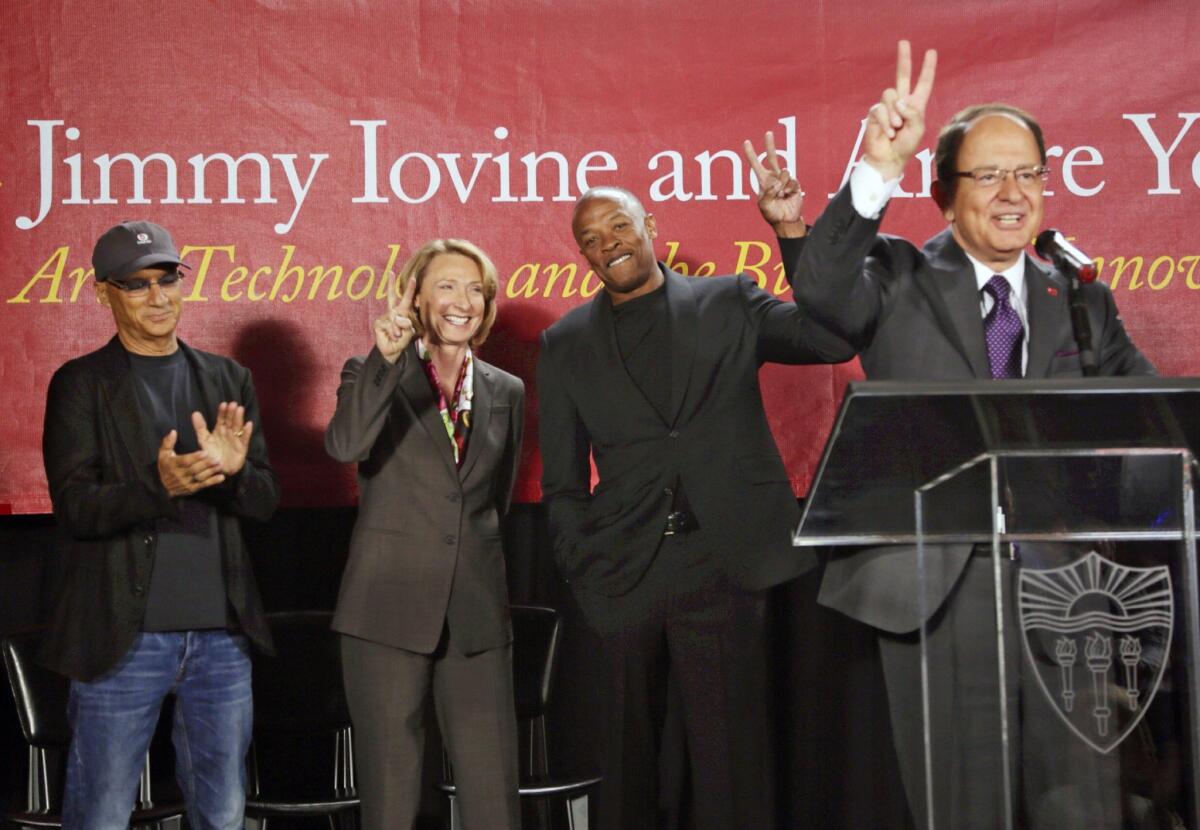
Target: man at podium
969	304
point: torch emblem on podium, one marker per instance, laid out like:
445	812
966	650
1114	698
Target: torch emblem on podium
1097	635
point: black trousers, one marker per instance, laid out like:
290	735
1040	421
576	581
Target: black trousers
682	721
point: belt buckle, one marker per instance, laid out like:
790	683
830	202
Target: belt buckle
677	522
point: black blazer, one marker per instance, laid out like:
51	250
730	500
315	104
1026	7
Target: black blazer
716	440
426	549
101	464
913	314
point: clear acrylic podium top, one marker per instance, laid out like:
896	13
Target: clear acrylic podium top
891	438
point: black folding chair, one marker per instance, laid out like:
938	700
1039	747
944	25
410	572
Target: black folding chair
298	698
535	652
41	699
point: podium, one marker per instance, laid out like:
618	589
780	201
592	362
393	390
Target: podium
1040	537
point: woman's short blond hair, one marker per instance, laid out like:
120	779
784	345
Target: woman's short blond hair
418	263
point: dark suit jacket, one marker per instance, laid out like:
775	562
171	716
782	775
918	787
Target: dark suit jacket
913	314
426	549
716	440
102	466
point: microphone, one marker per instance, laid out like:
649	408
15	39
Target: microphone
1051	245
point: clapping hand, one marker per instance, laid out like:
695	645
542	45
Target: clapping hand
896	124
222	452
229	439
780	199
183	475
394	328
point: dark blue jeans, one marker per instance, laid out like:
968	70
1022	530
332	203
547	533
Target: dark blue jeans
113	719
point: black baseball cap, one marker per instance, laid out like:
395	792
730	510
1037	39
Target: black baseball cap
132	246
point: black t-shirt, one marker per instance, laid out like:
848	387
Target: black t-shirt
643	338
643	329
187	585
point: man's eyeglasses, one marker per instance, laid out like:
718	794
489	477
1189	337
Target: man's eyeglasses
1032	176
138	286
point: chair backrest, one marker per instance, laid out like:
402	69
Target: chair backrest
40	694
300	689
535	649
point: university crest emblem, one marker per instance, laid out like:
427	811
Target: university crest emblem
1097	636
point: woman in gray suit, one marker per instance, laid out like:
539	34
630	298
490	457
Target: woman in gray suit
423	607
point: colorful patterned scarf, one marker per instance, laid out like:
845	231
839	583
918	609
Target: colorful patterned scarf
456	414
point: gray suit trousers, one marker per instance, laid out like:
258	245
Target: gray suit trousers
386	689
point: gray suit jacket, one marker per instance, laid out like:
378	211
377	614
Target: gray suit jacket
426	548
913	314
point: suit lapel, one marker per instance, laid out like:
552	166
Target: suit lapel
481	414
681	305
949	285
415	388
121	394
603	334
1047	303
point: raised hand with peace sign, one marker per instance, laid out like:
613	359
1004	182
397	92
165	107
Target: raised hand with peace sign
780	199
394	328
896	124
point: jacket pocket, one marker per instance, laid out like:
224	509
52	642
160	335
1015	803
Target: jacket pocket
1065	365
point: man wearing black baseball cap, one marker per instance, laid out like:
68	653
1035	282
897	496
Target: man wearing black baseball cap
152	454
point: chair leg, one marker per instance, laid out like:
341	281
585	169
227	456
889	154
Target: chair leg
455	816
37	796
577	813
145	798
540	756
343	762
343	820
252	787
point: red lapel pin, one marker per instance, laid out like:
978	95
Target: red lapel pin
1051	290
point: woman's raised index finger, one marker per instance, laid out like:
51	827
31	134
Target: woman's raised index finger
406	299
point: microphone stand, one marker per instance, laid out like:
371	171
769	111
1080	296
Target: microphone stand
1081	325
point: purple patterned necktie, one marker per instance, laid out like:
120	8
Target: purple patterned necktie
1003	331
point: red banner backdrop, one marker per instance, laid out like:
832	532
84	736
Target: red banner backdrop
299	150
